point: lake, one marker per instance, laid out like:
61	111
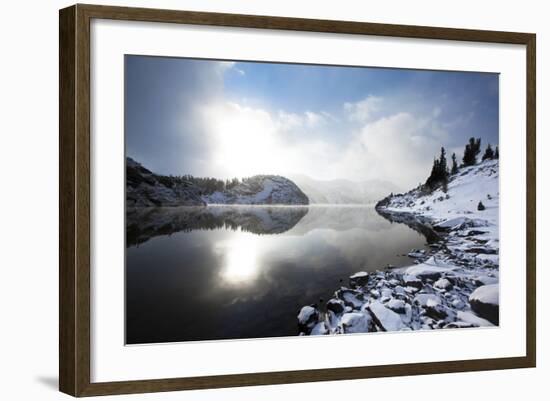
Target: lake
228	272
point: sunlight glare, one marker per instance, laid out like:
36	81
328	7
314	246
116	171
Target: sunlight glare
241	260
245	140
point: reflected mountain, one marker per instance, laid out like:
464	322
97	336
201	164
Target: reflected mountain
417	223
145	223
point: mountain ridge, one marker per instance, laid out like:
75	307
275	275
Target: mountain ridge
147	189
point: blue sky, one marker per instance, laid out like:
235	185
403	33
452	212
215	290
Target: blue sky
224	119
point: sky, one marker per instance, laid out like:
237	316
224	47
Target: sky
229	119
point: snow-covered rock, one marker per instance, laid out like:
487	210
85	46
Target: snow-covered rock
359	279
319	329
416	253
485	302
431	269
410	280
442	284
355	322
472	320
336	305
397	305
307	318
384	317
427	300
351	298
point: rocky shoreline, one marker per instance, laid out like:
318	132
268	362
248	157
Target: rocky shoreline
453	284
446	287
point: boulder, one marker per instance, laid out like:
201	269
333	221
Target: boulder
432	305
484	301
359	279
384	317
355	322
335	305
396	305
411	280
319	329
443	284
307	318
351	298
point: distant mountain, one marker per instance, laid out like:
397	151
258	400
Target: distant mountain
343	191
261	190
145	188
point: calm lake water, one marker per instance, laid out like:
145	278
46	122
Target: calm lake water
227	272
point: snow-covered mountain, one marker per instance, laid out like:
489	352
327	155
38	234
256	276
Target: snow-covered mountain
145	188
466	189
343	191
260	190
468	213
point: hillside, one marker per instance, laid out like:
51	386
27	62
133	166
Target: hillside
145	188
466	189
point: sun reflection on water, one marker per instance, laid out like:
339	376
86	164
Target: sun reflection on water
241	265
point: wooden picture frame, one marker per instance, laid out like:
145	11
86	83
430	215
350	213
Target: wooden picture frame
74	199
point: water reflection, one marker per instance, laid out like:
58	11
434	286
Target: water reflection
244	272
241	262
145	223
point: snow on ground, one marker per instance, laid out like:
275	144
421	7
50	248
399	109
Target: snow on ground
454	285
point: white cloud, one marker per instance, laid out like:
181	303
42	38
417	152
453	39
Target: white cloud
295	121
249	140
363	140
460	121
363	110
399	148
226	65
230	65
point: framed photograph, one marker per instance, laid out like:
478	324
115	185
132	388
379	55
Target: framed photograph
250	200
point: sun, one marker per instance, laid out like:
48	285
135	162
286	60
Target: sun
245	141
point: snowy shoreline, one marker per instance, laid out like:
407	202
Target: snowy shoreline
452	285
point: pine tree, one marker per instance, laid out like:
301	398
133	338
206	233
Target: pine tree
454	168
440	172
477	147
496	152
489	153
471	150
443	169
